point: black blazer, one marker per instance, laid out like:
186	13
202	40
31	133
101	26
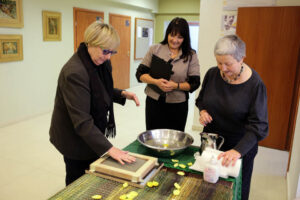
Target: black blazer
72	129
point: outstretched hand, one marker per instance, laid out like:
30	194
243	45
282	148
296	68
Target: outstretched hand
131	96
120	156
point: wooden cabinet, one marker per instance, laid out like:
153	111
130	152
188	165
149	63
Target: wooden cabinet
272	37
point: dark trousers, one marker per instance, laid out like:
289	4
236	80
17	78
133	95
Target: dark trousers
76	168
162	115
247	169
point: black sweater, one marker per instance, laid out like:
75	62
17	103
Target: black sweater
239	111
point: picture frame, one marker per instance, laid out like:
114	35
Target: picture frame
143	37
11	13
51	26
11	48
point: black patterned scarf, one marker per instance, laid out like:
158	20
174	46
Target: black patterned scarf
101	84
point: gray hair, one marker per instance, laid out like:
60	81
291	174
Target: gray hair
101	35
231	45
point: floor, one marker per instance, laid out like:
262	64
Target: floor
31	168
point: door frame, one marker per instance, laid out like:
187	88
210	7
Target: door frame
75	10
129	50
294	112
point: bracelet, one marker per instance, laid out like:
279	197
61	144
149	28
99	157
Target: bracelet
178	86
123	93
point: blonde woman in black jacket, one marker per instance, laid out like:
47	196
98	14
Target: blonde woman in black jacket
83	114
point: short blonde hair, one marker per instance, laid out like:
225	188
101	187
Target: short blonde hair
101	35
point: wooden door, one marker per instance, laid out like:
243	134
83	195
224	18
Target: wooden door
82	18
121	60
272	37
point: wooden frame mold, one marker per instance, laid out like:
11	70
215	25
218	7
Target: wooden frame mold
133	176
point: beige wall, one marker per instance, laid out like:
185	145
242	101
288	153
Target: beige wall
209	32
169	9
160	19
28	86
151	5
293	174
294	171
178	6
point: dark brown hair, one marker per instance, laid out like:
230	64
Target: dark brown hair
180	26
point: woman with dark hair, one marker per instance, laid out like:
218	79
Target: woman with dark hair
169	108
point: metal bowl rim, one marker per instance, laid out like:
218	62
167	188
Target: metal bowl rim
165	149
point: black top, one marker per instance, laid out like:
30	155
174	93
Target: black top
239	111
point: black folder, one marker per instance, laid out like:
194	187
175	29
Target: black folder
159	68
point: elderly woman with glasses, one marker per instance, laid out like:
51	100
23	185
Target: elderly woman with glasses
233	103
83	115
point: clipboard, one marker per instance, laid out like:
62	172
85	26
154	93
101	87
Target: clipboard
159	68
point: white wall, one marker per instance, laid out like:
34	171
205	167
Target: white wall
151	5
293	174
209	32
27	87
294	170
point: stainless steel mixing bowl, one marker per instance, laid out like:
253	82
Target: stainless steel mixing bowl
165	142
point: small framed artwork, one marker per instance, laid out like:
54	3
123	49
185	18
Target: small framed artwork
51	26
144	34
11	48
11	13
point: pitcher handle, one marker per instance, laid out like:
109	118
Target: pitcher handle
222	142
203	141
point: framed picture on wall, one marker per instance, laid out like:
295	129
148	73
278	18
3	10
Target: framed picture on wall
11	48
51	26
11	13
143	37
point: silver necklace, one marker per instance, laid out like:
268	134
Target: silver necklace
235	78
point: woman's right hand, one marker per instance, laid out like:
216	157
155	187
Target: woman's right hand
205	118
164	85
120	156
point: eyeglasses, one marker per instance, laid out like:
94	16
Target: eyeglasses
106	52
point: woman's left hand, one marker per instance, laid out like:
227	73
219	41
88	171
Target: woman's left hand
131	96
230	156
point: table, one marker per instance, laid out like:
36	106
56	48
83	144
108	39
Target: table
192	185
